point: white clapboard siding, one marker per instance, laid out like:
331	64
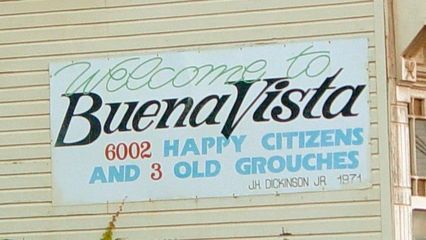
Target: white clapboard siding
25	152
196	217
24	137
40	63
24	123
25	181
185	24
24	79
32	108
42	209
373	115
329	27
373	84
147	12
37	166
375	162
138	234
76	5
36	33
242	230
24	94
38	195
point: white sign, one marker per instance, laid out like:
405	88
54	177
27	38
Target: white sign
263	119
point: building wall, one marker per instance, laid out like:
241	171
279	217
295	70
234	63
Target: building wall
35	33
408	22
407	19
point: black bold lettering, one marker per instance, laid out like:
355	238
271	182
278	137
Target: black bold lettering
95	125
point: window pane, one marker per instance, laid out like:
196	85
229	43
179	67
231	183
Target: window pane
418	107
419	223
421	147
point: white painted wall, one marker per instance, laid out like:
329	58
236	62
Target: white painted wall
35	33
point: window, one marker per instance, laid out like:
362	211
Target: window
417	119
419	223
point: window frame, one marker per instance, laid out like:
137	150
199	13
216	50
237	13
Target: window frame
418	183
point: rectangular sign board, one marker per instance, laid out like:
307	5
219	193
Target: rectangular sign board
263	119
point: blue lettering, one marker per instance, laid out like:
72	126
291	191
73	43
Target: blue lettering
341	136
276	164
186	167
98	174
196	173
212	168
171	147
353	157
221	143
258	164
312	139
132	173
289	138
294	166
190	146
305	162
327	160
238	141
242	166
266	145
339	160
327	138
359	139
122	173
206	144
115	174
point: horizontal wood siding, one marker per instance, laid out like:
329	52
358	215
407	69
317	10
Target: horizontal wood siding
35	33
